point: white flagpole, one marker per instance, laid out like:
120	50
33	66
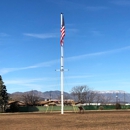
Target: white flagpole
62	74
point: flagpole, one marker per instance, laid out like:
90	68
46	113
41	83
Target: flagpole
62	73
62	81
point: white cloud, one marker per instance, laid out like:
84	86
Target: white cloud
121	2
42	36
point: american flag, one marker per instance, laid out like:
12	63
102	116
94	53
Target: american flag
62	30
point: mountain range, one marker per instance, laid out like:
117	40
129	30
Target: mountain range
43	95
119	95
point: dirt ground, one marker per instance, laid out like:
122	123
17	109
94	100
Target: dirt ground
98	120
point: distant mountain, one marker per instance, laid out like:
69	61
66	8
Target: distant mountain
55	94
119	95
111	91
46	95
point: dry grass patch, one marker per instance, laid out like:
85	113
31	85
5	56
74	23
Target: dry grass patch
118	120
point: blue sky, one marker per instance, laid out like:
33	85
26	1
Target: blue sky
96	48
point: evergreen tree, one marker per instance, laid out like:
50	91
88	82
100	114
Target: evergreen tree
3	95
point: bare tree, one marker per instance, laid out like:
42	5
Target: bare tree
98	98
31	98
103	98
106	99
80	93
91	97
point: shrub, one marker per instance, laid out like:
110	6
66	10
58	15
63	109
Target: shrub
14	107
101	108
118	106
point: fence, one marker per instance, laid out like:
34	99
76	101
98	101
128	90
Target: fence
68	108
47	108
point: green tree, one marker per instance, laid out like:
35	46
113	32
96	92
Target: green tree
3	95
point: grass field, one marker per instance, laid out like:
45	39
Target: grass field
93	120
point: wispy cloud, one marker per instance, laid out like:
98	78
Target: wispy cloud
80	6
50	63
42	36
72	30
96	8
24	81
97	53
3	35
79	76
125	83
43	64
32	83
96	33
33	86
121	2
